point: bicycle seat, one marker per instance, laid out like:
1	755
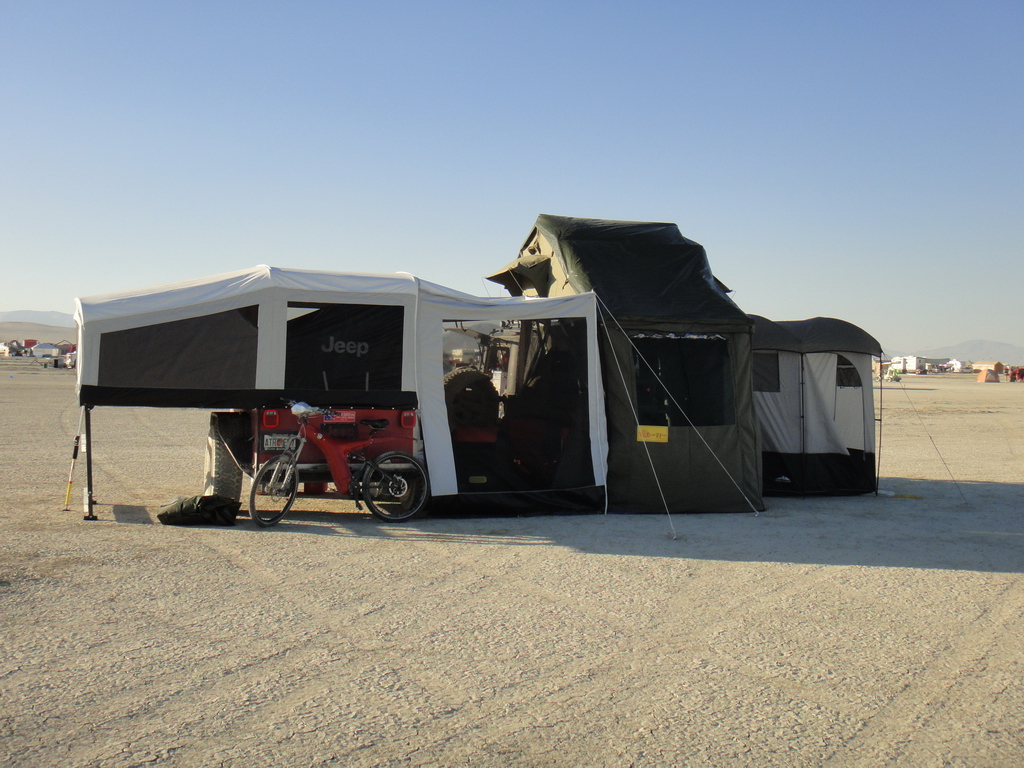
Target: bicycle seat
375	423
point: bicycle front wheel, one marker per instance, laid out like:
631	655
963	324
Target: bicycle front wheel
273	491
395	487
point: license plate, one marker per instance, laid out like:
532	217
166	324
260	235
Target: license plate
272	442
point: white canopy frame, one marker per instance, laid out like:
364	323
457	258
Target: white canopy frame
427	306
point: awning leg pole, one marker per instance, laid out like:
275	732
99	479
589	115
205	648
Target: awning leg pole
89	501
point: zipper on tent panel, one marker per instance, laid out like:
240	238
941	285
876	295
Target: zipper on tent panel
803	430
878	420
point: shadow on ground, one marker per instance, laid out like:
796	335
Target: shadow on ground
911	524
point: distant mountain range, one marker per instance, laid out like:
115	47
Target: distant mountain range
59	319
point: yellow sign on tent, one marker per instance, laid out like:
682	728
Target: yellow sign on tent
648	434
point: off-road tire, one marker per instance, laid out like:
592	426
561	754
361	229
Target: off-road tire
471	399
224	477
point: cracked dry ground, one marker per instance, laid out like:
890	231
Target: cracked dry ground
854	631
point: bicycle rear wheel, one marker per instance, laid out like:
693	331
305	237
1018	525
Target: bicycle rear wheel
395	487
273	490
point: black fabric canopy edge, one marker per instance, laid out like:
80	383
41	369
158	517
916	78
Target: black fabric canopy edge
586	500
90	395
815	334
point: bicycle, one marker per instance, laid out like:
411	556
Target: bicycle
394	485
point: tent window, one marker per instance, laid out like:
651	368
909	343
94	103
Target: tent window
846	373
696	371
344	346
215	351
766	372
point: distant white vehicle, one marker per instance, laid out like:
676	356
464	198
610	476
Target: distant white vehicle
912	364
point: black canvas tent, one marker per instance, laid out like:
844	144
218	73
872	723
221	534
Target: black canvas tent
815	403
676	360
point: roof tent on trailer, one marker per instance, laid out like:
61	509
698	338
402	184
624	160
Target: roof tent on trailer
257	337
815	403
676	360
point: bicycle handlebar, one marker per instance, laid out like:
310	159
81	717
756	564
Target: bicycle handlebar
305	410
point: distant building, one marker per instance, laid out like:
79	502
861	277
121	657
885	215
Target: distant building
35	348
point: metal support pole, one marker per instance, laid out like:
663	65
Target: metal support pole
89	501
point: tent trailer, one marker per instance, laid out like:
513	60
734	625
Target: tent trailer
248	341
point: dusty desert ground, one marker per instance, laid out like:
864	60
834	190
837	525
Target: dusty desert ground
824	632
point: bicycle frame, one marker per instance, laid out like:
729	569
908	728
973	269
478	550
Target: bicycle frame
337	452
319	429
394	484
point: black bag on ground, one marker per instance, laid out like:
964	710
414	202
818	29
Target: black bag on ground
200	510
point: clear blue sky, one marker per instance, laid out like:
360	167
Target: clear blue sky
862	160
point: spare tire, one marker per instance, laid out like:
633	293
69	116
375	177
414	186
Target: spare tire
471	399
223	470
